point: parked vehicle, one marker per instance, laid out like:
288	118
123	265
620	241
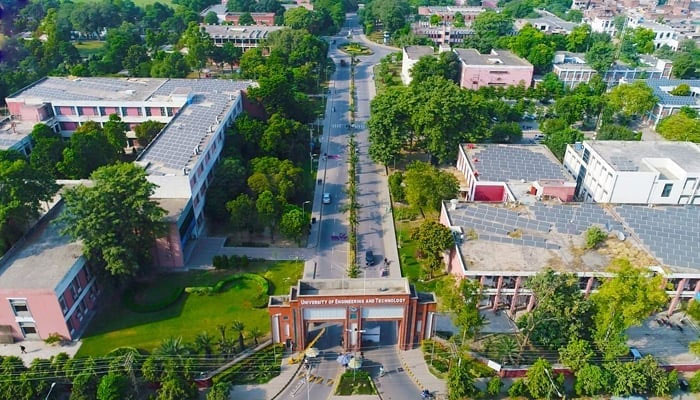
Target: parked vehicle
326	198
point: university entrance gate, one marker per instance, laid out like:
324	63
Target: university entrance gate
380	312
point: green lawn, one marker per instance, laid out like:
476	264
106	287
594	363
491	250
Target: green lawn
354	383
89	47
410	265
116	326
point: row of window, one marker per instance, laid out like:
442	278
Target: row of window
104	111
76	287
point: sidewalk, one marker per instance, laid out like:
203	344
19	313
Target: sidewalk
208	247
367	41
268	390
356	397
38	349
417	369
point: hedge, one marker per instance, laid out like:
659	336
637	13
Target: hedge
131	303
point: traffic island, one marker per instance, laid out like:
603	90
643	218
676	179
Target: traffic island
355	383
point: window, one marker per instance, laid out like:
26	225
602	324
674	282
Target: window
80	312
20	308
667	190
71	328
586	155
64	306
88	274
27	328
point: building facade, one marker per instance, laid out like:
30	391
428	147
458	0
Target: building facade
669	104
572	69
664	35
629	172
443	34
227	17
244	37
385	311
411	55
499	68
447	13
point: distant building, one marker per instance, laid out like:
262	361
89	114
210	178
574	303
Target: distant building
442	34
447	13
260	18
245	37
499	68
664	35
669	104
602	21
572	69
635	172
411	55
512	172
547	23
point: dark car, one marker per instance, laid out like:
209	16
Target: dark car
369	257
683	384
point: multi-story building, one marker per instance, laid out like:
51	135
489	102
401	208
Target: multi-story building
181	157
46	285
631	172
669	104
547	23
224	16
571	68
245	37
443	34
664	35
602	20
499	68
447	13
411	55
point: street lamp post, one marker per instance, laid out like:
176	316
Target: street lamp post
53	384
303	206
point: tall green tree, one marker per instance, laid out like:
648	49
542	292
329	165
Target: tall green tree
541	381
294	223
576	354
115	132
427	186
269	209
600	56
592	380
462	301
558	134
460	381
229	181
433	240
115	219
47	151
88	149
84	387
114	387
389	124
680	127
242	211
488	27
147	131
634	98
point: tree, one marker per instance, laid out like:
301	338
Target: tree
427	187
113	387
396	187
624	301
488	27
269	210
540	380
294	223
199	46
84	387
281	177
389	124
433	239
256	334
634	98
221	390
681	90
88	149
550	88
558	134
579	38
643	39
232	54
115	132
458	20
591	380
493	387
174	386
460	382
680	127
576	354
562	313
242	211
445	65
684	66
541	56
246	19
600	56
169	65
47	151
147	131
506	132
115	219
462	301
617	132
239	326
203	343
229	181
211	18
137	61
594	237
284	138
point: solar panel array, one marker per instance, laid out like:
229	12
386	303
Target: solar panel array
669	99
494	224
575	219
672	234
56	88
505	163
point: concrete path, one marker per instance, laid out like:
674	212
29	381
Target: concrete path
416	367
38	349
208	247
356	397
268	390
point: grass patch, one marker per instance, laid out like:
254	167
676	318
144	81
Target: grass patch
117	326
410	264
355	382
89	47
355	49
259	368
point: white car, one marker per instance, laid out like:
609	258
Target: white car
326	198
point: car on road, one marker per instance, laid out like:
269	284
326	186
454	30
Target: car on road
369	258
326	198
539	136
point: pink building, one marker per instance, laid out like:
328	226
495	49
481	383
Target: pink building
46	285
259	18
513	172
499	68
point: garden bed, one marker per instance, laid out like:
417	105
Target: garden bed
354	383
355	49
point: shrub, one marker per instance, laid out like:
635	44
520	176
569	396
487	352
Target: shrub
594	236
518	389
54	338
493	388
396	188
681	90
406	213
694	383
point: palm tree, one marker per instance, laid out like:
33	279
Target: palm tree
505	348
222	331
256	334
203	343
239	327
172	346
227	347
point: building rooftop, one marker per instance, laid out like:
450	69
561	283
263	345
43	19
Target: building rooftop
416	52
496	57
254	32
661	87
514	162
173	207
217	8
549	19
340	287
450	10
13	131
174	147
639	155
43	260
89	89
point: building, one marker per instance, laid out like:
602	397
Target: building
631	172
386	311
572	69
669	104
411	55
179	160
501	245
260	18
499	68
524	173
15	135
447	13
441	35
547	23
664	35
245	37
46	285
602	21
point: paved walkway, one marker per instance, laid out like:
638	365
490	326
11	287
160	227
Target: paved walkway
268	390
38	349
208	247
356	397
416	367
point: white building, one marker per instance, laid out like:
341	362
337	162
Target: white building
603	23
629	172
547	23
411	55
663	34
572	69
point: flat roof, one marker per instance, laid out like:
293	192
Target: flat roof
14	131
44	259
357	286
96	89
496	57
210	99
173	207
454	9
257	32
552	20
416	52
514	162
661	87
627	155
522	239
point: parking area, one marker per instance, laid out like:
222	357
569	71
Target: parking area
666	338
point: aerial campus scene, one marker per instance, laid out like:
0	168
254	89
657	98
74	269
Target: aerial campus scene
347	199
